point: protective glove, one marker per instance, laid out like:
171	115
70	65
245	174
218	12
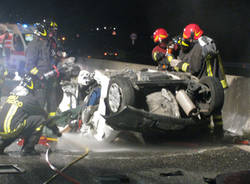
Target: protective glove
157	56
56	131
174	62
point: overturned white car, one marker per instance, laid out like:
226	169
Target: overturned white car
147	101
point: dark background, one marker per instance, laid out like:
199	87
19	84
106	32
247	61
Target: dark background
227	21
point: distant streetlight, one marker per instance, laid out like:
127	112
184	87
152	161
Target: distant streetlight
133	37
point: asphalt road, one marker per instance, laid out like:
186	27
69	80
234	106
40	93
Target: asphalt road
172	162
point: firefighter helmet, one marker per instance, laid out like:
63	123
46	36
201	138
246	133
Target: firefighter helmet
51	26
159	35
192	31
25	87
40	30
28	82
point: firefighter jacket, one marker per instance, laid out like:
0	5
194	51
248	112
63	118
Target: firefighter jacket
158	53
203	60
38	57
15	112
54	48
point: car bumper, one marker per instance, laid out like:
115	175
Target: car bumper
134	119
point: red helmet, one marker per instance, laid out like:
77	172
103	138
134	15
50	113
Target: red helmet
192	31
159	35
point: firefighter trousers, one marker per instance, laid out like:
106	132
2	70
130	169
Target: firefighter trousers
30	133
50	96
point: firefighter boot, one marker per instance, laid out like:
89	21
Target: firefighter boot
218	131
29	145
2	151
224	136
230	137
4	143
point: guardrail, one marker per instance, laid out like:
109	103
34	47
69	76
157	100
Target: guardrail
238	69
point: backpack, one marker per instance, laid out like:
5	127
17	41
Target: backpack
208	46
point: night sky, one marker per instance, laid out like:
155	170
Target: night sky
227	21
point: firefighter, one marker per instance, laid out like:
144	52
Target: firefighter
200	57
23	117
38	62
160	37
165	49
56	54
55	46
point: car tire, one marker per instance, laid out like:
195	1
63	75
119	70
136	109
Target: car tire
216	100
120	94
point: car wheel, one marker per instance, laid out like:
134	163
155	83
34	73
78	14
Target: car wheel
120	94
215	97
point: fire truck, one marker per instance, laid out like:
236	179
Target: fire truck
14	39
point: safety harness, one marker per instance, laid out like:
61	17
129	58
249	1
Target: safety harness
210	53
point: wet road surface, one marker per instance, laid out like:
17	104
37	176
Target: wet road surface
165	162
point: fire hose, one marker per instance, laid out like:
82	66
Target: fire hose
60	172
